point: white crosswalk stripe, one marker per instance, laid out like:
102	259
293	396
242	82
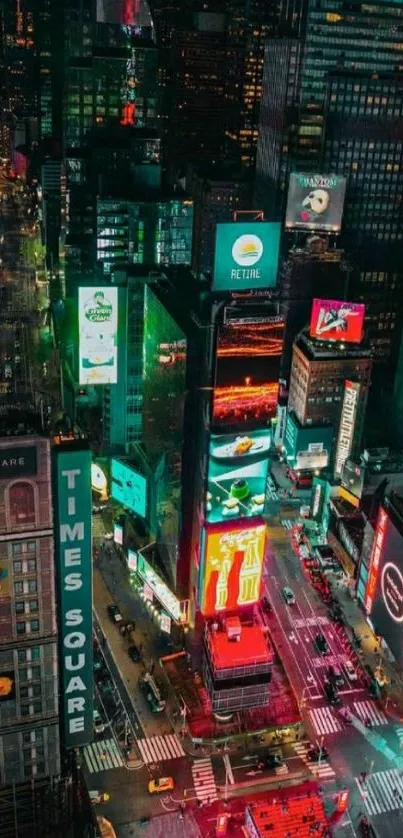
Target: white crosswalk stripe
160	748
102	755
323	721
383	791
287	523
203	780
323	770
368	710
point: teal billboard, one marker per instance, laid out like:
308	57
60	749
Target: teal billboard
237	476
129	487
246	255
307	448
73	548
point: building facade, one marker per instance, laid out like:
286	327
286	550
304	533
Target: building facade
29	723
319	380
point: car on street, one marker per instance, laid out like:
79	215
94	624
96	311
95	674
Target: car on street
99	725
332	694
105	828
270	761
321	644
134	653
162	785
318	753
289	596
114	614
335	675
350	671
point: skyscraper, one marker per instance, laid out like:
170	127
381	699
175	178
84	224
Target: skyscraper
332	103
29	715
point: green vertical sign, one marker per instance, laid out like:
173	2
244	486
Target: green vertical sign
73	542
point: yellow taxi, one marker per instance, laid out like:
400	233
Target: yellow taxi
161	785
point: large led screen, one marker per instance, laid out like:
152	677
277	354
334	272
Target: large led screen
164	374
337	320
232	567
246	255
315	202
98	335
128	487
307	448
247	372
384	592
237	476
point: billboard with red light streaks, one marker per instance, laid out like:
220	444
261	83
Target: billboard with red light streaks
247	371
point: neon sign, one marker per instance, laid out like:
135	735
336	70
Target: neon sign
375	559
129	92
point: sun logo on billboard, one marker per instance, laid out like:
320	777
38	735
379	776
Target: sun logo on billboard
247	250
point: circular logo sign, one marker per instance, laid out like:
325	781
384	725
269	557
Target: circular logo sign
247	250
392	591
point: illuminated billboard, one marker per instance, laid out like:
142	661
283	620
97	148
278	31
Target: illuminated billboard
248	359
352	478
129	487
384	591
337	320
246	255
237	476
231	568
315	202
164	388
73	546
7	686
98	335
118	534
160	589
307	448
347	424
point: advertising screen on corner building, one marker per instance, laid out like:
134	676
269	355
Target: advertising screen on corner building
246	255
315	202
384	592
337	320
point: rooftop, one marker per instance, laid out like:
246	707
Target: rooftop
318	350
252	648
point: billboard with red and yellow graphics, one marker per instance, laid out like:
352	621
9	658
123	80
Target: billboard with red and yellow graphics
231	567
337	320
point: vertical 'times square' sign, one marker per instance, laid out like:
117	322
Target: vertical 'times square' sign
73	548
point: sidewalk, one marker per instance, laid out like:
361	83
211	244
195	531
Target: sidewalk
153	725
370	652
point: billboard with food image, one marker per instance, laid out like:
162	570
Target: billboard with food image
237	476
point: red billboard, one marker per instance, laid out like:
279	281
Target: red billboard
232	565
383	598
337	320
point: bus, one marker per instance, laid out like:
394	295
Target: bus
152	693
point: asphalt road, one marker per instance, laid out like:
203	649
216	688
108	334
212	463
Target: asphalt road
351	748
